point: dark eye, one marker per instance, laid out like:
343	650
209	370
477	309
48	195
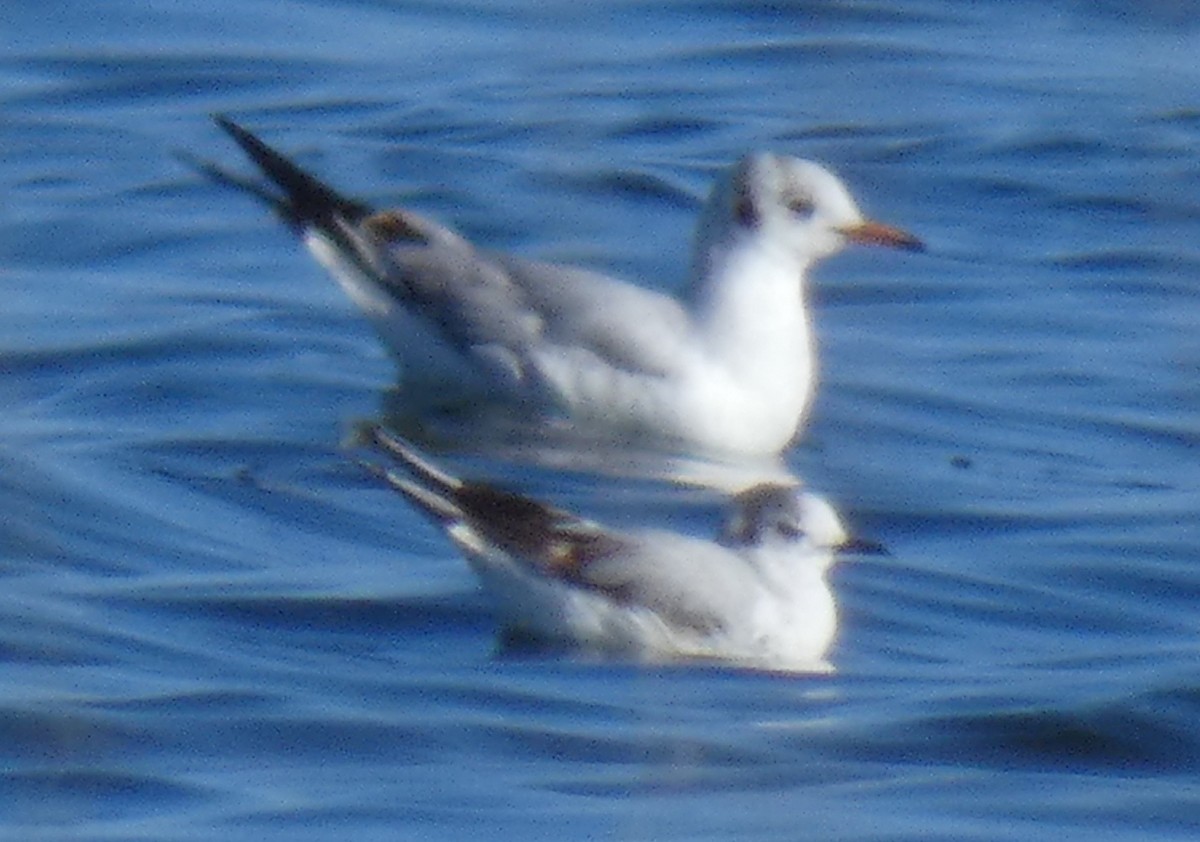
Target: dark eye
788	530
800	206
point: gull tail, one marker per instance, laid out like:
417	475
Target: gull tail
304	200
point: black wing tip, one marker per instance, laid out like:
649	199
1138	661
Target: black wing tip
225	178
426	488
305	197
366	434
225	122
251	143
374	436
263	155
430	502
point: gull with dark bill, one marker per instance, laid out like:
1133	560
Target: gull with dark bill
727	368
756	595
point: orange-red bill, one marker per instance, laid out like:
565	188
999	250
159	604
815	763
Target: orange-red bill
878	234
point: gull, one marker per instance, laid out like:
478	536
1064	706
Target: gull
726	368
756	595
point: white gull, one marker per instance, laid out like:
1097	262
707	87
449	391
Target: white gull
757	595
728	368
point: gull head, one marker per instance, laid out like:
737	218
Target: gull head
794	204
771	513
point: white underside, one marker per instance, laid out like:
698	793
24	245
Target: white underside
786	621
729	390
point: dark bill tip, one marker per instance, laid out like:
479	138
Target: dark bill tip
863	546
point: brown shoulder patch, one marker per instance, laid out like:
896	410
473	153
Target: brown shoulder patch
394	226
558	543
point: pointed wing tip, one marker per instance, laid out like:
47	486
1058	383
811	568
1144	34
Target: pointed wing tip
372	435
220	175
365	434
244	138
266	157
428	501
426	488
307	198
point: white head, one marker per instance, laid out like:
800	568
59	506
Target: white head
774	513
795	203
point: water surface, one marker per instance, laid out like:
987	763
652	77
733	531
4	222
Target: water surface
212	624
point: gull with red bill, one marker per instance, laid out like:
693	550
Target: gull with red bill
726	368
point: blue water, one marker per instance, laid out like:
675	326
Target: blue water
211	626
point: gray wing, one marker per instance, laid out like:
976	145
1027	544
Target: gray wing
487	302
548	540
690	583
687	582
502	310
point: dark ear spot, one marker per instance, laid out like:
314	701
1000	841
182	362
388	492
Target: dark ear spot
744	209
